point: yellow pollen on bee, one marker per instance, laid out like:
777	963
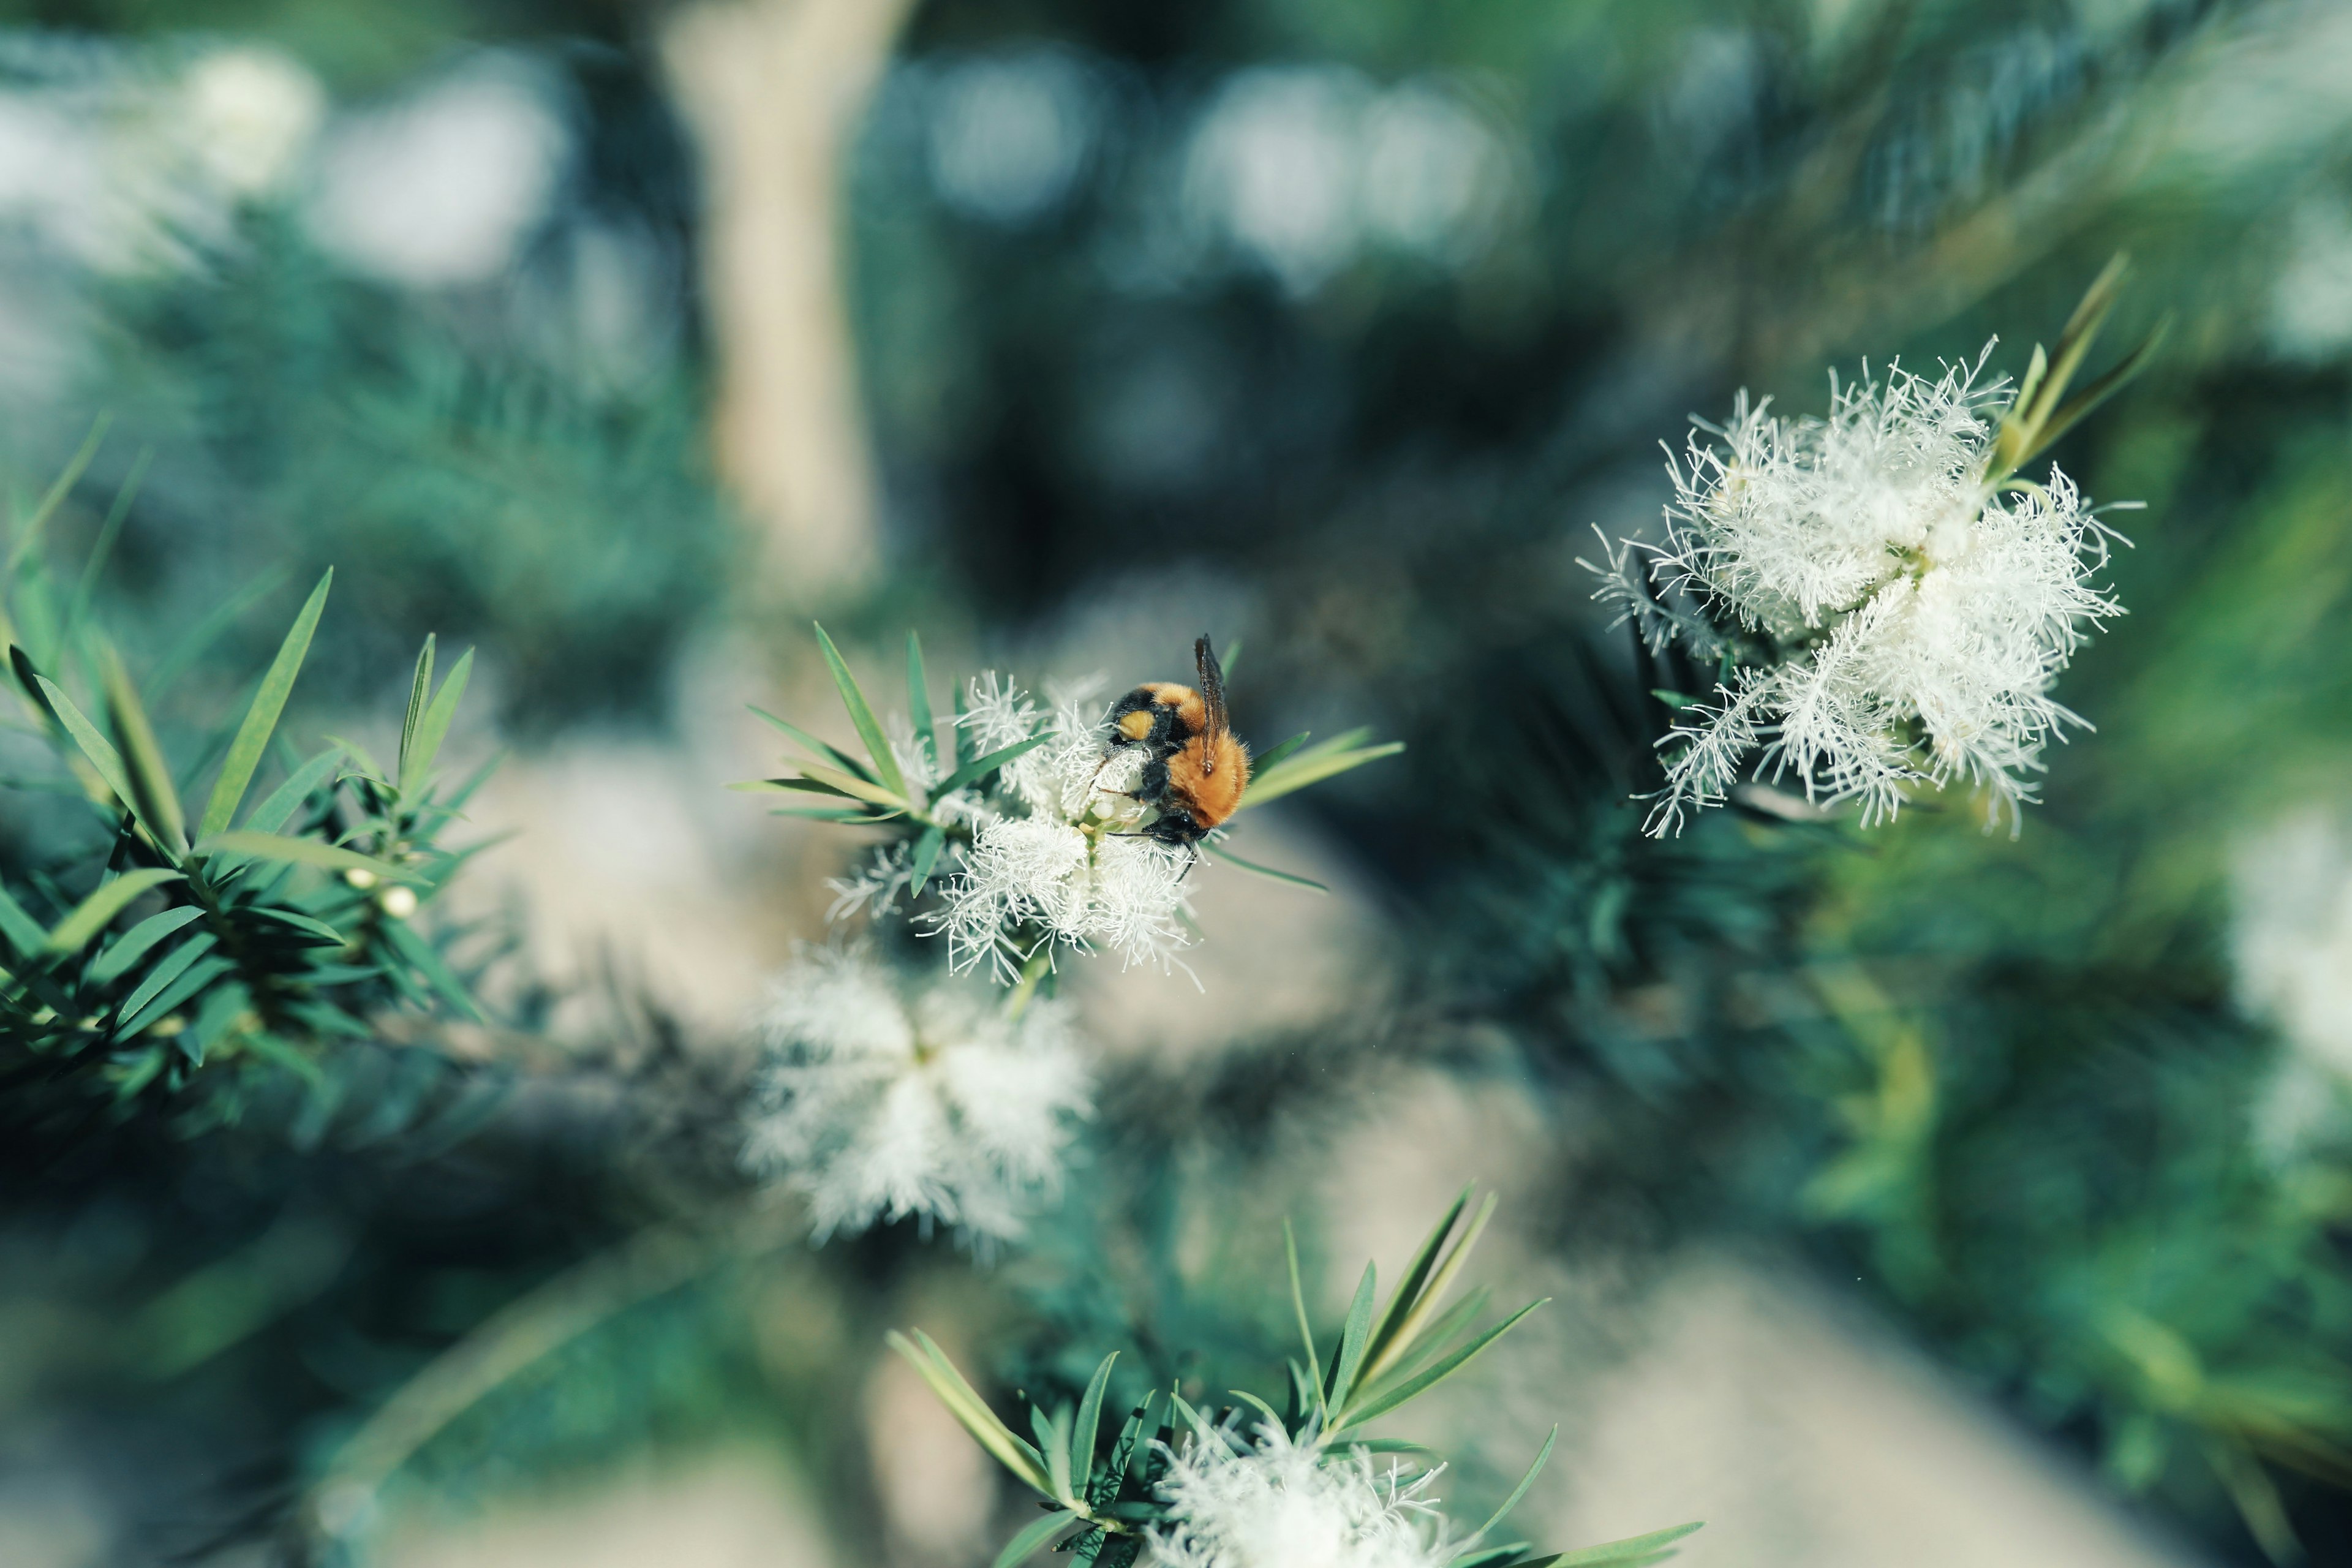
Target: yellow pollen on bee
1136	725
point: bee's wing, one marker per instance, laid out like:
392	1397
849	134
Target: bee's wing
1212	699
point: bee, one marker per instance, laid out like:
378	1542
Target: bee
1194	769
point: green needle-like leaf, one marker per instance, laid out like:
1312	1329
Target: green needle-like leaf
90	916
22	932
919	701
1381	1404
1259	767
1409	1289
1629	1553
1313	765
1352	1337
138	942
1033	1538
859	788
29	534
433	727
926	855
94	746
1221	853
261	717
294	852
810	742
174	964
152	795
1083	1431
1299	1305
429	962
980	768
966	1406
861	714
420	687
1525	1482
284	801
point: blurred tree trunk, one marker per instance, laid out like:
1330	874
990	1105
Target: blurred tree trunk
774	89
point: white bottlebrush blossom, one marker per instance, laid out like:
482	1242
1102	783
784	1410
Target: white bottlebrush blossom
875	1103
1279	1505
1919	612
1056	852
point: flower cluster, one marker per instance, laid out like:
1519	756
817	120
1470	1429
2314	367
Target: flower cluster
1275	1503
1907	612
875	1104
1055	860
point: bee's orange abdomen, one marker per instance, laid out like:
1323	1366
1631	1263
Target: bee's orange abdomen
1212	794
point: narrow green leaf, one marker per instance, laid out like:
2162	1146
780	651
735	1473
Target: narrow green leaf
980	768
1418	1314
1373	1408
1525	1482
966	1406
918	703
869	728
784	786
261	717
1230	657
1309	768
287	799
22	932
1408	1289
810	742
1083	1432
927	855
420	953
433	727
1275	758
291	851
90	916
1221	853
96	747
420	688
298	921
2071	413
959	736
1352	1336
174	964
1299	1305
1428	1343
135	943
832	813
152	795
1033	1538
1053	1442
857	788
1623	1554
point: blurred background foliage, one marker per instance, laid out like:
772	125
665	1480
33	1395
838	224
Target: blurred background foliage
1333	324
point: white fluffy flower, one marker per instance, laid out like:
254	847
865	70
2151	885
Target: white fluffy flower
1921	614
1058	856
875	1105
1278	1505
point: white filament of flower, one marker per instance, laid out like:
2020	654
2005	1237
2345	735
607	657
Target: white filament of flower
875	1105
1922	611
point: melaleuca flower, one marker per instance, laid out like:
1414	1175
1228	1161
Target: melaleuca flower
1913	611
1279	1505
1054	854
875	1103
